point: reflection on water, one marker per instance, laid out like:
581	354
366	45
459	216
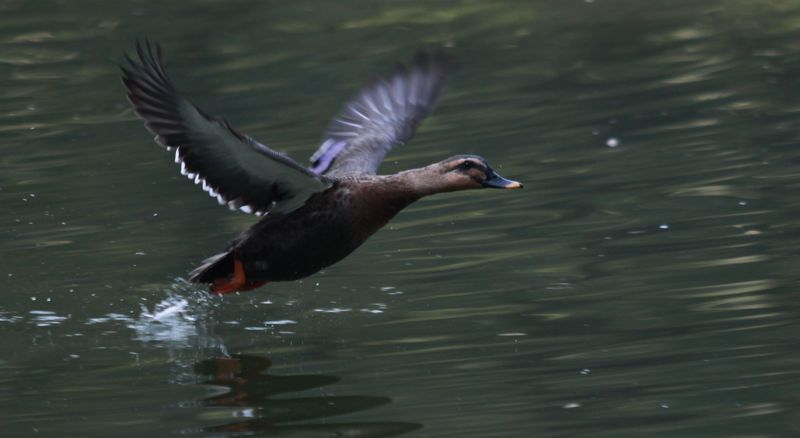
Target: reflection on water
253	392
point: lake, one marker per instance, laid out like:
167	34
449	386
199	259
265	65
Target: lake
643	283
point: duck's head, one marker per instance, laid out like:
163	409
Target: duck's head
463	172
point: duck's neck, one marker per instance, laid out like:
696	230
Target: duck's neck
386	195
416	183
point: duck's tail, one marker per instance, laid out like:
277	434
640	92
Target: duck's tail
213	268
225	273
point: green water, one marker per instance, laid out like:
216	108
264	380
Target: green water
643	283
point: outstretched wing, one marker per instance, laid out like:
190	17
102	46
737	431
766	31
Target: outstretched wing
382	115
232	167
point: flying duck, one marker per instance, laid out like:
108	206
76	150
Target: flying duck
310	217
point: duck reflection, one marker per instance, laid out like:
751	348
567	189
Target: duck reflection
250	387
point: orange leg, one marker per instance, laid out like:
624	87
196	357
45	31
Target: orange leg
235	283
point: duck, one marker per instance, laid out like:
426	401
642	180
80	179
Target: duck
310	216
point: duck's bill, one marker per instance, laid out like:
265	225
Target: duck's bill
498	182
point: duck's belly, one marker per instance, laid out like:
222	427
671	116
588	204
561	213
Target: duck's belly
292	248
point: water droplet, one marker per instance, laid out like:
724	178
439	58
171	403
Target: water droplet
586	371
612	142
663	227
571	405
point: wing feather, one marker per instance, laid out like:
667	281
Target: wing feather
384	114
230	166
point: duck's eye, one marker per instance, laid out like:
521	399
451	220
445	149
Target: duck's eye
466	165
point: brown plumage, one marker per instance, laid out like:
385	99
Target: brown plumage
312	217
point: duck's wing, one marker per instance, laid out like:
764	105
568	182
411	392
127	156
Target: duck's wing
232	167
384	114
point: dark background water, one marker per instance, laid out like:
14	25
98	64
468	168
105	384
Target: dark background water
642	284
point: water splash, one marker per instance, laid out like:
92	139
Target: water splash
179	320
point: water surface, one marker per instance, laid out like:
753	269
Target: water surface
642	284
